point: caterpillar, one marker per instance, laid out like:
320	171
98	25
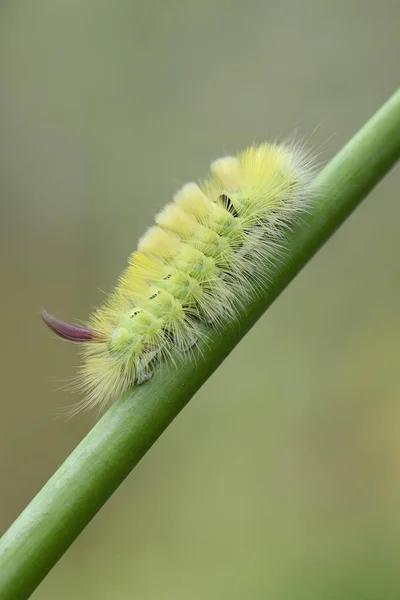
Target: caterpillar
200	260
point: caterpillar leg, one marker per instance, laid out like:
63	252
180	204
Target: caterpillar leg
190	342
145	371
144	376
211	320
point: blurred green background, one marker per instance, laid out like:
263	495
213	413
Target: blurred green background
281	479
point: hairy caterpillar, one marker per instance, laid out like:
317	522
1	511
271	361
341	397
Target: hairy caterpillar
191	267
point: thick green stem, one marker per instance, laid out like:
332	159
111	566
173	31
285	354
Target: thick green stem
66	504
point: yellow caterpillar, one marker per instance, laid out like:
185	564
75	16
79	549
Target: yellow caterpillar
191	267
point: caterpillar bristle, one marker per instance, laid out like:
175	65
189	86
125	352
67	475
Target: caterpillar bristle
227	171
193	201
66	331
193	269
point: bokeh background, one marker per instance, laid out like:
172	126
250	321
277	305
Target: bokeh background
281	479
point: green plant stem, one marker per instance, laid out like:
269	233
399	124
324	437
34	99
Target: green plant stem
71	498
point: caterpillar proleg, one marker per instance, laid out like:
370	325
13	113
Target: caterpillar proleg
192	267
